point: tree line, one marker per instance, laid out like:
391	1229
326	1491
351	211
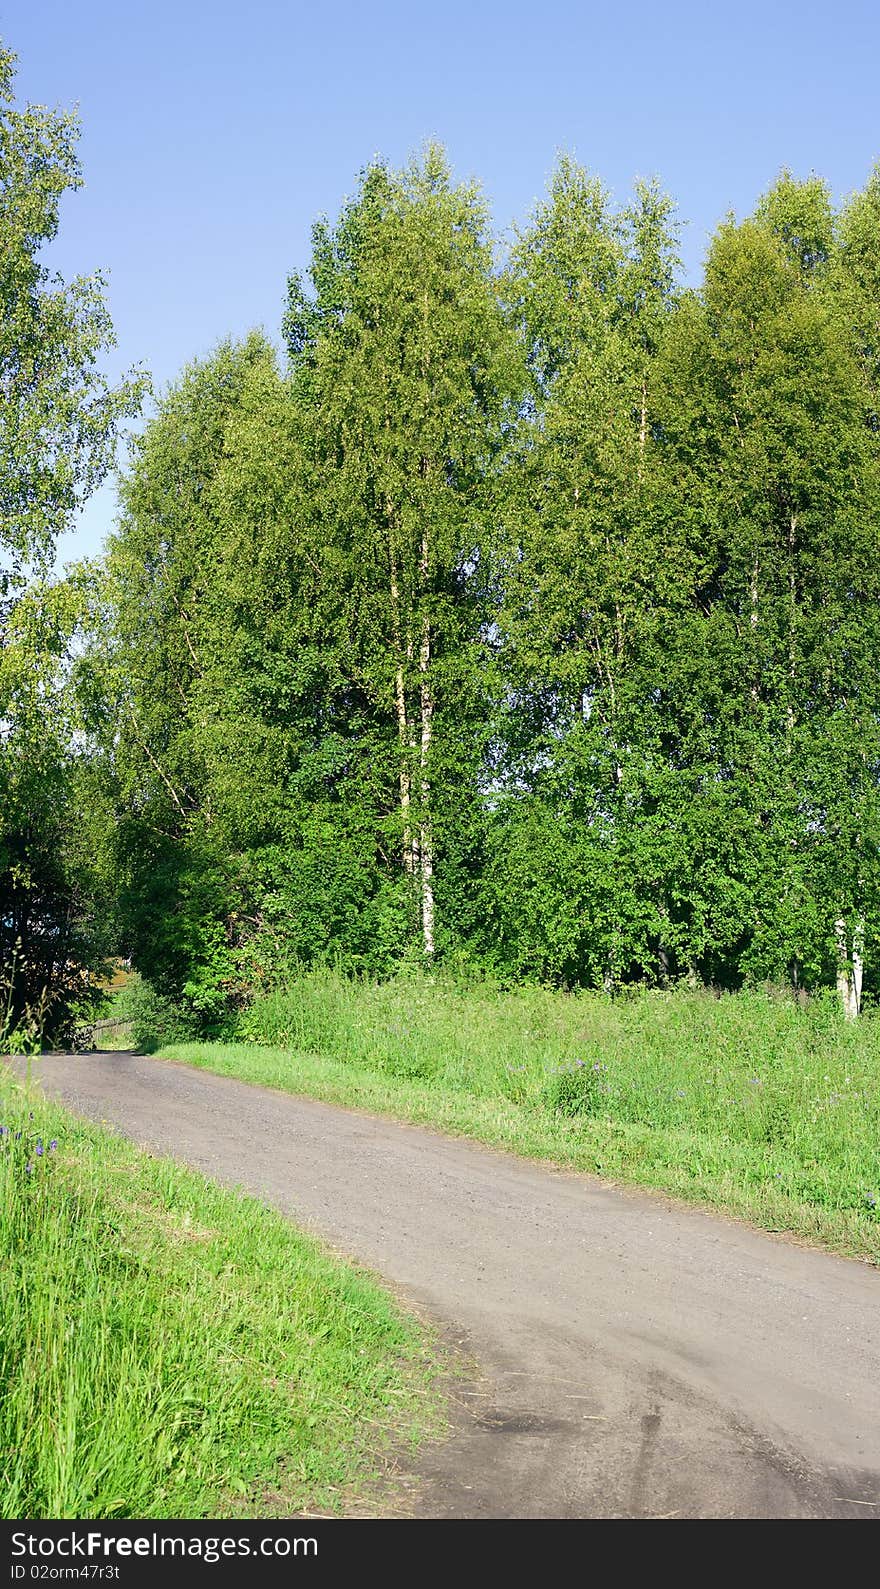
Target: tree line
521	614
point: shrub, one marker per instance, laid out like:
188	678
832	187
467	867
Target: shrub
580	1088
155	1019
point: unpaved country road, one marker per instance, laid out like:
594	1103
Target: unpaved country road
634	1359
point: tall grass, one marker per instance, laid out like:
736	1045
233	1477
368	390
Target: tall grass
749	1101
172	1349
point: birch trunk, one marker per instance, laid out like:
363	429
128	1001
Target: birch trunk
426	699
849	969
426	702
858	949
402	725
792	658
663	961
753	616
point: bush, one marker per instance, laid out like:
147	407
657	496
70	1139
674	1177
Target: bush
580	1088
155	1019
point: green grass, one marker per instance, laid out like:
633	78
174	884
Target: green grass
749	1103
172	1349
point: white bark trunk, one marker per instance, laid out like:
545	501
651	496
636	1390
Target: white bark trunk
426	701
858	949
849	969
792	658
402	728
401	696
753	616
404	770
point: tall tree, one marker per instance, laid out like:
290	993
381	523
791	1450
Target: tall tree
403	355
768	427
163	686
59	418
591	561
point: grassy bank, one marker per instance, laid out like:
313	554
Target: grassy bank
748	1104
172	1349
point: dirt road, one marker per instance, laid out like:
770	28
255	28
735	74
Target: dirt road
634	1359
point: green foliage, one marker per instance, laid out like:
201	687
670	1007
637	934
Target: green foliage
58	415
290	675
528	620
59	419
57	912
689	620
171	1349
154	1020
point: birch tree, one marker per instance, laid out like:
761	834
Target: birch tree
59	420
769	426
405	365
590	550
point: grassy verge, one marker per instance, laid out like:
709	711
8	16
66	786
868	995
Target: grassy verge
172	1349
747	1104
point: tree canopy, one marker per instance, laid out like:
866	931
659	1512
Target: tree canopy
521	612
527	615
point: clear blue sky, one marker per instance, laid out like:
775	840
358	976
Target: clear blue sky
214	133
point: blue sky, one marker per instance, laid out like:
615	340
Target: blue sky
214	133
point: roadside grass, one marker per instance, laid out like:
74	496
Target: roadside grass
169	1348
749	1103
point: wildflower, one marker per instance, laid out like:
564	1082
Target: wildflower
53	1145
29	1169
39	1147
870	1199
